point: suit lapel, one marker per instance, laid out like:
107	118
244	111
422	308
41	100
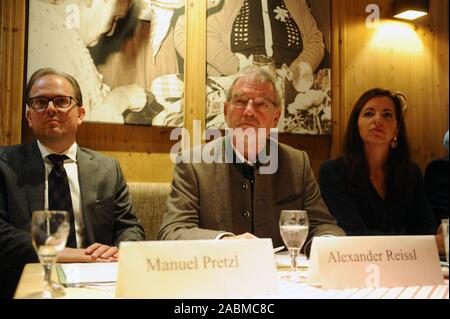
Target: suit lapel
34	174
87	167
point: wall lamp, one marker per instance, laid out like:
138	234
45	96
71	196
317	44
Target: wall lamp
410	9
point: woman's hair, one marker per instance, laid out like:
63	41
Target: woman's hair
399	161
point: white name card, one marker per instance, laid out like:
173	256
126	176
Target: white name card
374	261
196	269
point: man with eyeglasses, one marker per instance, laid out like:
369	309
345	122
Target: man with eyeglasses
54	173
233	195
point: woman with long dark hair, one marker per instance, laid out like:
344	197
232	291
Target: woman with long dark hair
375	188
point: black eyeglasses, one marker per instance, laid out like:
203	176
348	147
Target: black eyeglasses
259	103
40	103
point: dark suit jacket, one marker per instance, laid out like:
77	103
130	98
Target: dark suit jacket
107	208
360	210
436	185
210	198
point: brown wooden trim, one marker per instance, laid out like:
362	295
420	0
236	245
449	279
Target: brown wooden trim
337	76
195	65
12	55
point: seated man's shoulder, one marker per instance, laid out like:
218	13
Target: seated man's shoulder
214	150
11	152
97	156
287	150
441	164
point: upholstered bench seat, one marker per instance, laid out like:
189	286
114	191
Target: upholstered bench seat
149	202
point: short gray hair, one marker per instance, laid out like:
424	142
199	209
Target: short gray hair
261	75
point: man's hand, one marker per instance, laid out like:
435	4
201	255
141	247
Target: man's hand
93	254
241	236
102	252
77	255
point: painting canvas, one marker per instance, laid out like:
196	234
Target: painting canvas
290	39
122	52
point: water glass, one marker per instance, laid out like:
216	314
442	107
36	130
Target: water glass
49	232
294	226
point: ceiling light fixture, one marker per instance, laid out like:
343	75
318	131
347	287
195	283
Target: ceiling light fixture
410	9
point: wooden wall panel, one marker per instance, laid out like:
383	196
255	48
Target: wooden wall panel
142	151
195	65
12	39
317	147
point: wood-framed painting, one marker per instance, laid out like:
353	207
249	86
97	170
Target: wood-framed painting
122	53
291	39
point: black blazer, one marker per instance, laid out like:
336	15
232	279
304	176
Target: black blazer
359	210
106	204
436	184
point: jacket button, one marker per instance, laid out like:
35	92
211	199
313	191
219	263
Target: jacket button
246	214
244	186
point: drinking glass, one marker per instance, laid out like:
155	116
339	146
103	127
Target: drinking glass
294	227
49	232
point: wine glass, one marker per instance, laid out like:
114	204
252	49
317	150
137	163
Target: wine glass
294	227
49	232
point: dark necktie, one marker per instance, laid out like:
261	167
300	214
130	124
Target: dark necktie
59	193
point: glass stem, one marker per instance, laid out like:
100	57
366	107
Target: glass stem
293	261
47	277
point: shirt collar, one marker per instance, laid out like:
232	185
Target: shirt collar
71	152
241	157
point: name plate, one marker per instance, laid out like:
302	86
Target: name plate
374	261
196	269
